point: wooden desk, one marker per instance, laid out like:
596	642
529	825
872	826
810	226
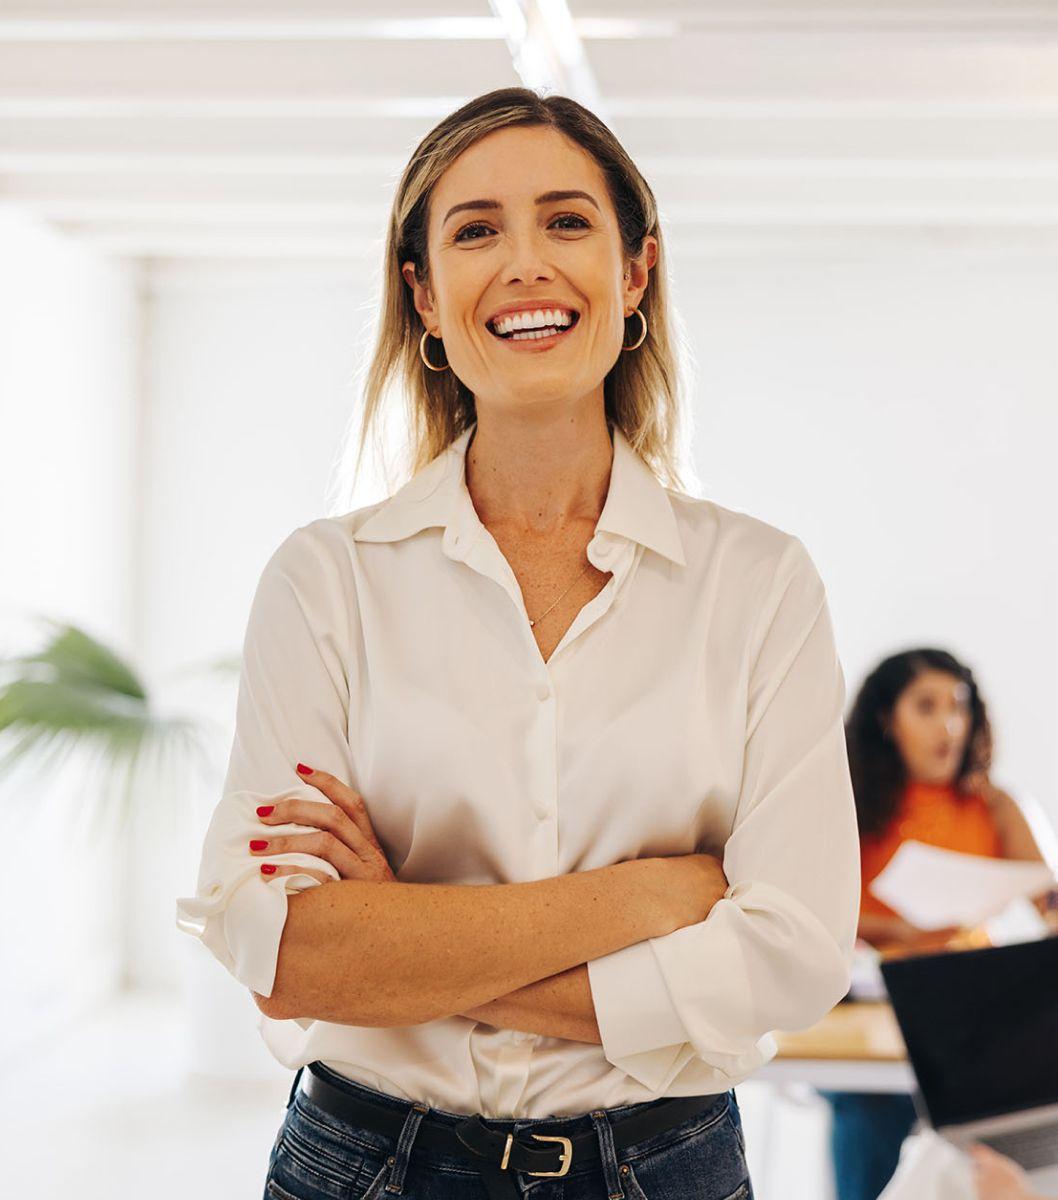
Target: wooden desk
856	1047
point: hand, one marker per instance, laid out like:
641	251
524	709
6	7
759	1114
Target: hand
346	839
906	934
703	884
997	1177
906	939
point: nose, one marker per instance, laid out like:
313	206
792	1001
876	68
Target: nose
527	260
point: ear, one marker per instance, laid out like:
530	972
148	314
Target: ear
422	298
637	274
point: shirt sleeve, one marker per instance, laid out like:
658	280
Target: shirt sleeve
293	706
775	953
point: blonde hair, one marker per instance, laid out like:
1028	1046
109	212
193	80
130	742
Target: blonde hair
642	389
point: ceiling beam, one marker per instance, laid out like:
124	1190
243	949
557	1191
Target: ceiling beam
136	22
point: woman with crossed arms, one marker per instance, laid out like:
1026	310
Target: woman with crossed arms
538	818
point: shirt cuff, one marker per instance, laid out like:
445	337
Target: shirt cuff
241	924
633	1006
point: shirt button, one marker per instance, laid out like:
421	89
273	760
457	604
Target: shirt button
543	691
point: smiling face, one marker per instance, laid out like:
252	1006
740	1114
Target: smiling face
521	229
930	723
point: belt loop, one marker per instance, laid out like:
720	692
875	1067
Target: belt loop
604	1131
294	1087
399	1161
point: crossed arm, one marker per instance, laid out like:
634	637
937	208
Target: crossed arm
559	1006
511	955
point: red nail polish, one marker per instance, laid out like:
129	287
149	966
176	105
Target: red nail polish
268	868
257	844
303	770
265	810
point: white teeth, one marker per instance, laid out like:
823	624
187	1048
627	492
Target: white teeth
540	319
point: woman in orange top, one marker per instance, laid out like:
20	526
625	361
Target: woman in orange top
920	748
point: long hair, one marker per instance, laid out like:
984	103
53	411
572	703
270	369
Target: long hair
643	390
879	774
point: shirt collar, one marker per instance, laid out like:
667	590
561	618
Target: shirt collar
637	506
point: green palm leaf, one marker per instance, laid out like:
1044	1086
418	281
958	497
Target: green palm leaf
77	695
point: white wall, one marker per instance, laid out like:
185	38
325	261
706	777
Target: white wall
247	394
891	401
68	358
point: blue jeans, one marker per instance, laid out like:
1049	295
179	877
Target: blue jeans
317	1156
866	1133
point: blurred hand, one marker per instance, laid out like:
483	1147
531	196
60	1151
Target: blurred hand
906	934
345	839
997	1177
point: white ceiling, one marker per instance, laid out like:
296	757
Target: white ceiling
169	129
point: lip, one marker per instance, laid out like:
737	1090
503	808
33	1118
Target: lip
539	344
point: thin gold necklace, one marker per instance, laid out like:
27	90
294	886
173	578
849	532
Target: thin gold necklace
565	593
532	622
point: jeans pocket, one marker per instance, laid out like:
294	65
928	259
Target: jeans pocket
709	1164
306	1166
700	1190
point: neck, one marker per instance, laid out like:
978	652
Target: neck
536	475
938	784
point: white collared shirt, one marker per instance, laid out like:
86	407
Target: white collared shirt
694	705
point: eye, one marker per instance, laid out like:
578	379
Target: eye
581	224
477	225
573	217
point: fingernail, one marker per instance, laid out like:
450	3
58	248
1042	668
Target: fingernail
257	844
265	810
268	868
303	770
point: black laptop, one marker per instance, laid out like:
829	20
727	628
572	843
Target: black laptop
981	1029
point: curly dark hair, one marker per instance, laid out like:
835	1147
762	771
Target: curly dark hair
878	771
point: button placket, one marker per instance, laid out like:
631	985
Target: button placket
542	782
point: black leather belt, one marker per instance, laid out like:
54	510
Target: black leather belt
493	1152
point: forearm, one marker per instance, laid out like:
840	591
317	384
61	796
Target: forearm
559	1006
371	954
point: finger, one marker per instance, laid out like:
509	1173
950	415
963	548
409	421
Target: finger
348	800
319	815
274	870
319	844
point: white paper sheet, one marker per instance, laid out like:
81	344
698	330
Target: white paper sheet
933	888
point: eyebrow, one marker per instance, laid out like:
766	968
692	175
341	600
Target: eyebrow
546	198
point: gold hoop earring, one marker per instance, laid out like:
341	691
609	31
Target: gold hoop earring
422	353
643	320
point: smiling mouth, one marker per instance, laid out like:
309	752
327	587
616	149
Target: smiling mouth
545	333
